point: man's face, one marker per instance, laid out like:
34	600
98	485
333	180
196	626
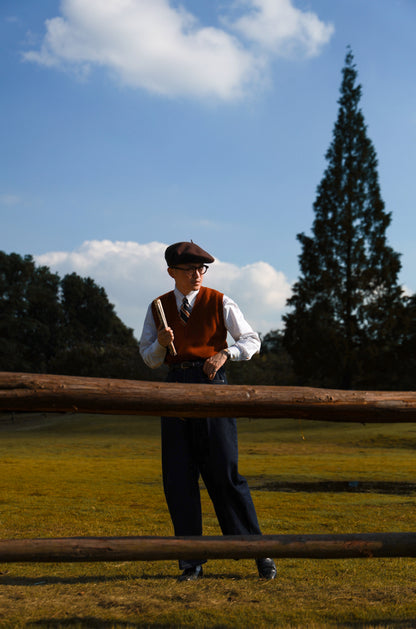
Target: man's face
188	277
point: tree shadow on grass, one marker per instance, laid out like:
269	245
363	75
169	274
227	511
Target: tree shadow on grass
7	579
85	580
90	622
334	486
77	580
382	623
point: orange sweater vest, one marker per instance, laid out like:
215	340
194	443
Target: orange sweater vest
205	333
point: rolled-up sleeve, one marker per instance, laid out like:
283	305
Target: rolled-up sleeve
151	351
246	341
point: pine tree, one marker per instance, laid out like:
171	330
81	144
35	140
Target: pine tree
347	301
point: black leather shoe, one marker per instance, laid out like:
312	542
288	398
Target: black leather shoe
266	568
191	574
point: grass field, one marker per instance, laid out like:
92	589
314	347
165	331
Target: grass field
76	475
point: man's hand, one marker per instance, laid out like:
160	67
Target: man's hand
165	336
212	364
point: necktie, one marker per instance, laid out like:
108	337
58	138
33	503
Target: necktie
185	311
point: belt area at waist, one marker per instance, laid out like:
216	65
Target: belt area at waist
186	364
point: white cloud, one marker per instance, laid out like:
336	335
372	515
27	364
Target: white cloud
260	291
164	49
133	274
147	44
279	27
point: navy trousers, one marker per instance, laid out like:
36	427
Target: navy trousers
205	447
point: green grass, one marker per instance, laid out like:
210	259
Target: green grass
86	475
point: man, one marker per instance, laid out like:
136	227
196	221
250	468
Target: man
199	320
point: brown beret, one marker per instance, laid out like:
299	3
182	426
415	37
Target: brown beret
184	252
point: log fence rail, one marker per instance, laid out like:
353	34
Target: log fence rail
22	392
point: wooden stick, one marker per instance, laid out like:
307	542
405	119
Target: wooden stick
162	319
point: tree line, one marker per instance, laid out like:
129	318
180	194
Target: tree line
349	323
64	326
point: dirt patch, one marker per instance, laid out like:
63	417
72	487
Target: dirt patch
374	487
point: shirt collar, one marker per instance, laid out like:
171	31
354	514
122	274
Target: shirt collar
190	297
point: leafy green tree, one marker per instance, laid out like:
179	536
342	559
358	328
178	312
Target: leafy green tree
30	314
68	326
347	301
89	316
95	341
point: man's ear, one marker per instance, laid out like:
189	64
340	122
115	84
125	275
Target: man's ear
171	272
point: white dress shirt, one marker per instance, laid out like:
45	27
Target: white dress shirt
246	341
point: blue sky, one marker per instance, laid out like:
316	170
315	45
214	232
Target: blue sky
130	124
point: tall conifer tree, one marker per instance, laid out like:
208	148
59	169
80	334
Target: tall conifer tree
347	301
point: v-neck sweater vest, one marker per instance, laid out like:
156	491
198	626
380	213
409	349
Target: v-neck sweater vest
205	333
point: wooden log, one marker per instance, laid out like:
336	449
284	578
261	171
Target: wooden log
51	393
82	549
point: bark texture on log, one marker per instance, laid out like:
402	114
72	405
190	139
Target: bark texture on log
77	549
51	393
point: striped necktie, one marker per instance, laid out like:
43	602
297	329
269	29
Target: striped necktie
185	311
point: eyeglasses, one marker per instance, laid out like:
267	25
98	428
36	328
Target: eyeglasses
190	270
